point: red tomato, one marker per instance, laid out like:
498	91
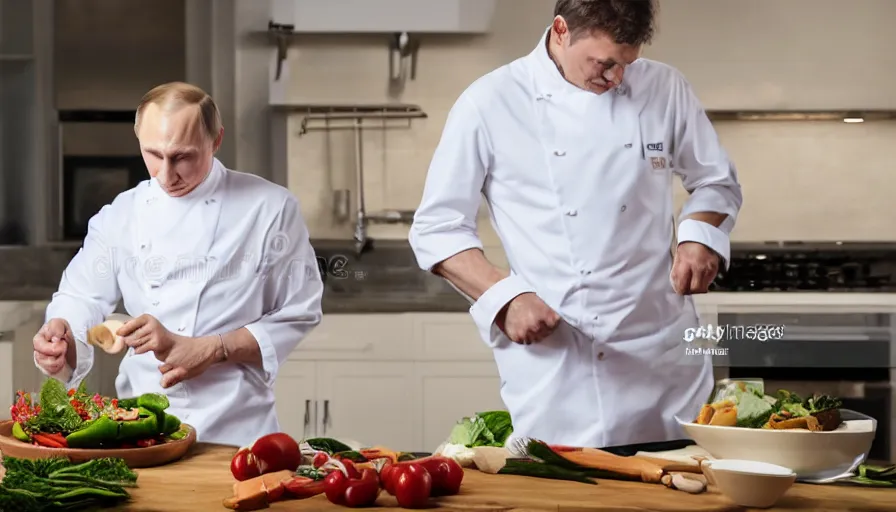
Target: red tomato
412	485
334	486
363	492
446	474
243	465
386	478
350	468
320	458
276	452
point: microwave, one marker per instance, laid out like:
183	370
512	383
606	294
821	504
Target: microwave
91	182
99	159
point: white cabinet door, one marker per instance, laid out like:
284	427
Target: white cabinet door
452	391
372	403
295	391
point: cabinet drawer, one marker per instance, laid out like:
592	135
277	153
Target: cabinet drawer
449	337
359	337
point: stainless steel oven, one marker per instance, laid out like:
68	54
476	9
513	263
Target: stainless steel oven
845	355
99	159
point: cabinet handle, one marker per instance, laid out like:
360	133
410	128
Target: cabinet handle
307	416
326	415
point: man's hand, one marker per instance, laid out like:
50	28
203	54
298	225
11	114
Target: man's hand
694	268
183	357
527	319
51	345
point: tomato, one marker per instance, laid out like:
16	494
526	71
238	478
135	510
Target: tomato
386	478
243	466
412	485
350	469
276	452
364	491
446	474
334	487
320	458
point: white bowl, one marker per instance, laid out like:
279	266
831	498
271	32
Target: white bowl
811	455
749	483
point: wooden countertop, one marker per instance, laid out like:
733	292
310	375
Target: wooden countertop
202	480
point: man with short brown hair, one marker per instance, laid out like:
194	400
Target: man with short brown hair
575	147
215	265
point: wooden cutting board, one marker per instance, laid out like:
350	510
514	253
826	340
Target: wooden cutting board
202	480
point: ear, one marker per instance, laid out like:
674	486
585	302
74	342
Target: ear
560	28
218	140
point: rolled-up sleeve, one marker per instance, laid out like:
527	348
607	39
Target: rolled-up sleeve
88	291
707	174
445	222
292	291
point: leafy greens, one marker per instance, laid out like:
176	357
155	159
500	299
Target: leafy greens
56	484
490	428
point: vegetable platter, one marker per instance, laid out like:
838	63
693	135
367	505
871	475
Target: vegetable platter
276	468
81	427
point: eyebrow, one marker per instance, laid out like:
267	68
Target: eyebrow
174	154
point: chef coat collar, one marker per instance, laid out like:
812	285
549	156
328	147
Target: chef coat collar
202	192
548	79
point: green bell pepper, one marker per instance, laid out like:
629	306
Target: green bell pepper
19	433
144	428
171	424
155	402
99	432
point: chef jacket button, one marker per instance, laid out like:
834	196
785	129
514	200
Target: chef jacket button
572	213
181	328
155	303
585	272
559	152
540	98
622	209
600	356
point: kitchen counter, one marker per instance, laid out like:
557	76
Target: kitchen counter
202	480
387	280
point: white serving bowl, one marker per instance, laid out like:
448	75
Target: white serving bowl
749	483
811	455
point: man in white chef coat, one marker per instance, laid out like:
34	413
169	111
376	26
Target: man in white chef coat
215	265
574	147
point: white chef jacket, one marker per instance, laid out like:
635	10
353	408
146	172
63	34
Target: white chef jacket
579	189
233	253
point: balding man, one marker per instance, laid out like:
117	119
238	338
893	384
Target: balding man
214	265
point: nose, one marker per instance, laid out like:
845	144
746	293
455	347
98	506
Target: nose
164	173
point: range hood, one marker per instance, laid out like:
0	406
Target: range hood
384	16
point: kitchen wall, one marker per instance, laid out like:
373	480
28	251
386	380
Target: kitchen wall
803	181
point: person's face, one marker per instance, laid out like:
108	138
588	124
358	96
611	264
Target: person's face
177	151
594	61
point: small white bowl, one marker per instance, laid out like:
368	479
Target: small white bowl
749	483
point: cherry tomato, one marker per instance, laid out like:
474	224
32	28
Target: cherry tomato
413	485
320	458
446	474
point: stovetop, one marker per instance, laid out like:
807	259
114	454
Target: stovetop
806	267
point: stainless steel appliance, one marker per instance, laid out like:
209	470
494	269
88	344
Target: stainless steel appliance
842	355
100	159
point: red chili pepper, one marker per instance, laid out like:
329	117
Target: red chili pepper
47	441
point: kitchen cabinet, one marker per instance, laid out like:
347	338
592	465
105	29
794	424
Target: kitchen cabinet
401	380
17	126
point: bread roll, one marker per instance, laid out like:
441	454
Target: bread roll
104	335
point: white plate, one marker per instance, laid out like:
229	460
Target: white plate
811	455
